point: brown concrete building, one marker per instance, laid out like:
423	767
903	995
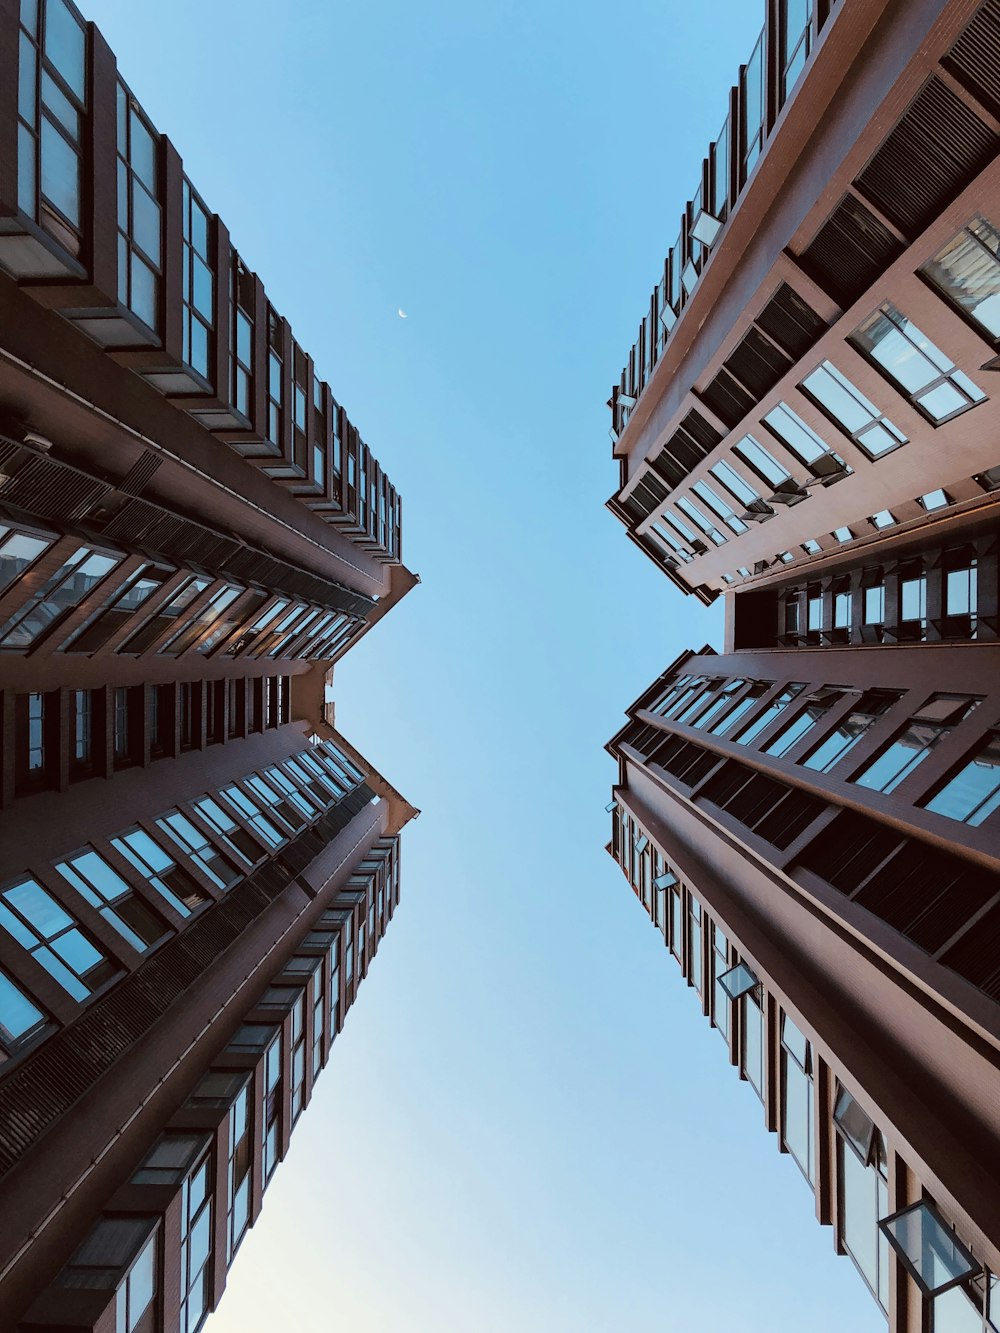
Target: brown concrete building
808	425
196	869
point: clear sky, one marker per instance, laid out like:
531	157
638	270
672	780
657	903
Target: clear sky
525	1125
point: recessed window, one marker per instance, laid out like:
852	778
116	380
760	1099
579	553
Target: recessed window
718	505
53	938
925	374
160	871
761	461
883	519
874	605
20	1018
796	40
18	550
731	718
935	500
842	535
721	1003
848	408
769	715
56	597
846	735
753	1040
800	727
863	1194
797	1098
914	743
811	547
104	889
199	284
140	222
972	794
967	271
700	520
803	441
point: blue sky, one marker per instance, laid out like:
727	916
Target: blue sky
526	1124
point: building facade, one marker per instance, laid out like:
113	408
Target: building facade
196	868
810	817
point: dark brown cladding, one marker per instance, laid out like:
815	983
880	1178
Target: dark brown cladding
100	225
831	340
812	818
192	534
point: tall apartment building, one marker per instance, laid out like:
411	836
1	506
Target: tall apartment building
809	426
196	868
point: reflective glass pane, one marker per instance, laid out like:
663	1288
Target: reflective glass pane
65	45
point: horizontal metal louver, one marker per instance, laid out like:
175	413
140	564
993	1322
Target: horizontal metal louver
936	149
139	474
976	956
693	440
850	251
791	322
52	491
774	811
925	895
975	58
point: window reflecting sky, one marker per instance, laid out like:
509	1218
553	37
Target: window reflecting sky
525	1124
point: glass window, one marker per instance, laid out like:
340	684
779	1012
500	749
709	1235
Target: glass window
52	78
761	461
796	39
199	283
160	871
845	405
967	272
253	815
694	926
803	441
153	629
802	725
753	1041
235	837
140	222
864	1194
718	505
752	86
239	1167
196	1243
272	1108
730	719
105	1254
18	550
104	889
913	598
56	597
874	605
721	1003
19	1017
925	374
53	938
722	701
772	711
701	521
900	757
219	869
960	591
797	1098
973	793
193	629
